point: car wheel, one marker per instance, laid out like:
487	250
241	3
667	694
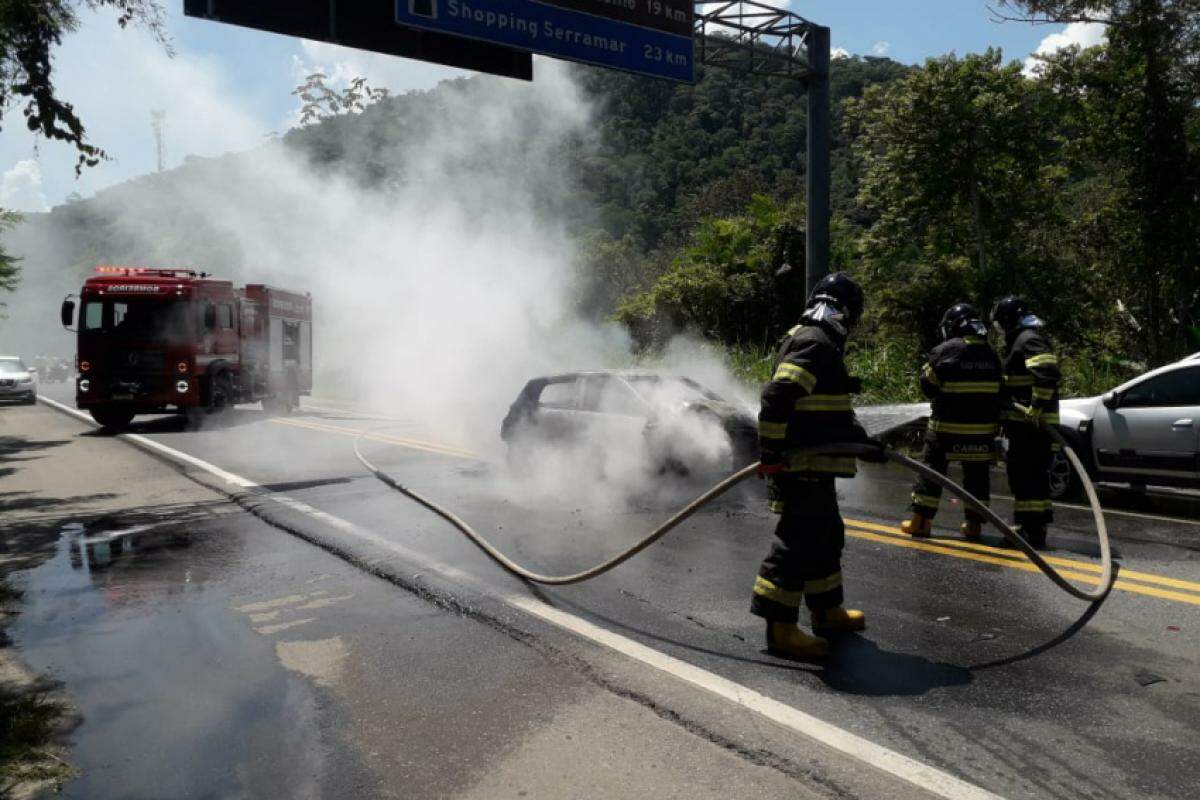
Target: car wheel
1064	482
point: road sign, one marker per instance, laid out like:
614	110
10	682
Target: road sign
365	25
649	37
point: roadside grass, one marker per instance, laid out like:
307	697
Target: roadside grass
30	719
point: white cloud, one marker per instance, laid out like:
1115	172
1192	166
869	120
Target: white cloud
1083	34
839	52
880	48
21	187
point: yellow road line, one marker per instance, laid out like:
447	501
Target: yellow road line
1075	570
1025	566
958	544
413	444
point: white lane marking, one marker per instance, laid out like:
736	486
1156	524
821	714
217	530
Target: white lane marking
915	772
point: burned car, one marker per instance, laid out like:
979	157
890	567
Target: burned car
670	422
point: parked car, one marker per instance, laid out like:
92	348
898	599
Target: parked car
1144	432
673	421
17	381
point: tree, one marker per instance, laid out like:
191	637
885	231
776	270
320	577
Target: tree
29	32
1132	107
10	271
321	102
957	169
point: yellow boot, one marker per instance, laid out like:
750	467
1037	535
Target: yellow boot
972	531
786	640
838	620
918	527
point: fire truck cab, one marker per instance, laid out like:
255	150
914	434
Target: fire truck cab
156	340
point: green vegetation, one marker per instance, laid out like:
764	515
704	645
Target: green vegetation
964	178
29	721
10	270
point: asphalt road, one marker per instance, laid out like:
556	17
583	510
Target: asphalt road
972	664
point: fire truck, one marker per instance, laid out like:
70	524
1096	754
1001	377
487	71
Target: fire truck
154	341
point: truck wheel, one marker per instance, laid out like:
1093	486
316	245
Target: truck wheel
113	417
221	397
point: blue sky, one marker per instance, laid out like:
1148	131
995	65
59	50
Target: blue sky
228	89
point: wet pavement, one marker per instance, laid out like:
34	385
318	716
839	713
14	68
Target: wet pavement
971	663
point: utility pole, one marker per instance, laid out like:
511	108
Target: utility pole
157	116
817	180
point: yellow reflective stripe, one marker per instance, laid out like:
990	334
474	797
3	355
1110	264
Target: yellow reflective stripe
974	340
776	506
926	500
1043	360
793	330
970	457
1042	393
822	585
764	588
824	402
837	465
772	430
971	387
790	373
1032	505
1017	416
1018	380
962	428
931	376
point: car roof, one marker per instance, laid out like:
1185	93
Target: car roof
617	373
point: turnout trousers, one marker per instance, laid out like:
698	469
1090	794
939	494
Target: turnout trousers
805	563
1030	456
927	495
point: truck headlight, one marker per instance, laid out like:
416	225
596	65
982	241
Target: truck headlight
84	385
181	387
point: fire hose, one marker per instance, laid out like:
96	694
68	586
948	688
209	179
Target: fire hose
1095	595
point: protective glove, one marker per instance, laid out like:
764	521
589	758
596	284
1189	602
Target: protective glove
1032	415
766	470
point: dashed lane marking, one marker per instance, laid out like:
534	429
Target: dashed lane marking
399	441
924	776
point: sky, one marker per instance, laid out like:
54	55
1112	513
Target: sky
229	89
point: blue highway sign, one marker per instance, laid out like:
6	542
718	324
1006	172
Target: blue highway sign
649	37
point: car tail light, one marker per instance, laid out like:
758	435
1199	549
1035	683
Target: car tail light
182	366
84	366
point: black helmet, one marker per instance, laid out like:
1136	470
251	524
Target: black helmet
1008	313
840	291
961	319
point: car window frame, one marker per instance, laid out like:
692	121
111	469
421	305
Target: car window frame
573	405
1169	374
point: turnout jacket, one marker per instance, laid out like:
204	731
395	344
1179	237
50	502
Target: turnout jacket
962	378
807	403
1031	377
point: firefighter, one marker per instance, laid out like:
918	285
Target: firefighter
807	403
962	378
1031	378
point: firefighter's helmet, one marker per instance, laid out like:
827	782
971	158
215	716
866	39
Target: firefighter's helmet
1008	313
961	319
842	292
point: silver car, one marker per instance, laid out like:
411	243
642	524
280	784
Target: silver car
1144	432
17	381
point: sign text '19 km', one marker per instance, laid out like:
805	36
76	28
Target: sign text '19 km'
650	37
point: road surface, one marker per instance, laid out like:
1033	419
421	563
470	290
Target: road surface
324	635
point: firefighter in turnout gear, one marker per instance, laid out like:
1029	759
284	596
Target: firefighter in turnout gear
806	404
1031	378
962	378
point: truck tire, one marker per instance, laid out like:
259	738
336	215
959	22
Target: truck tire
113	417
221	395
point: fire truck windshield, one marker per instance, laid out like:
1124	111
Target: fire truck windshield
140	318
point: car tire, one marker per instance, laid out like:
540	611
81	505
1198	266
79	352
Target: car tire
1065	482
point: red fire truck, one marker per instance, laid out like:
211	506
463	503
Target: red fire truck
155	340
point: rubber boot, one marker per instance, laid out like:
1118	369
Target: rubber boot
919	527
972	531
784	639
838	620
1036	536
